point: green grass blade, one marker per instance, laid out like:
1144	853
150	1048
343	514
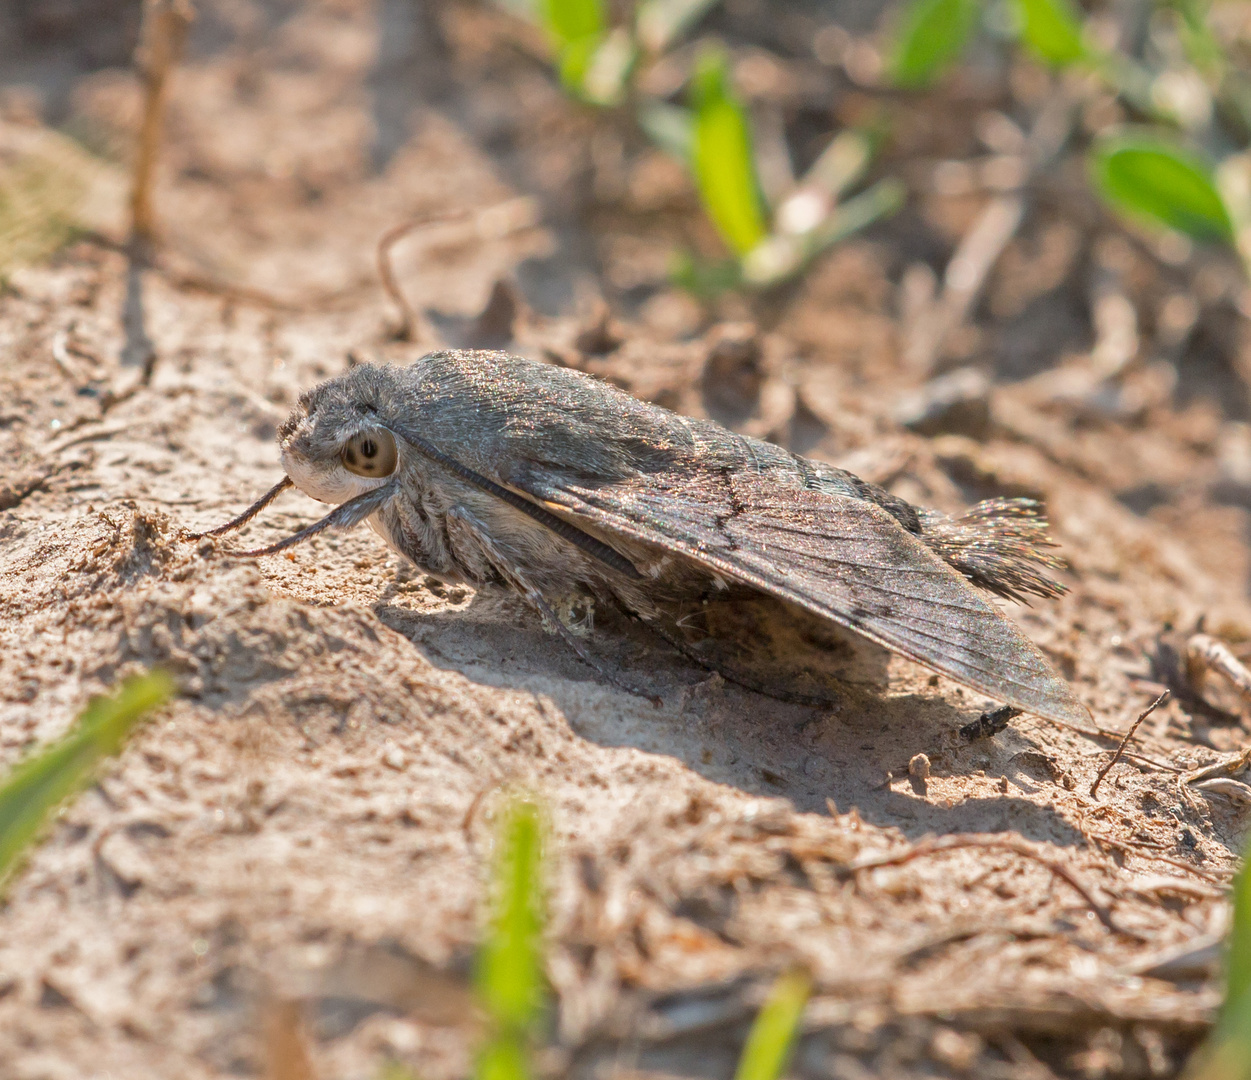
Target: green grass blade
1227	1053
933	34
772	1036
1239	962
1152	180
43	781
1052	31
503	1058
722	159
569	21
510	977
575	28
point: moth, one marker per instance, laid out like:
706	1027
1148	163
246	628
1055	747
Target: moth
489	469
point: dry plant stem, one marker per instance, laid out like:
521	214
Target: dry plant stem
1142	759
1134	849
940	844
286	1047
1205	653
1094	788
977	252
1108	733
527	217
386	271
164	32
981	246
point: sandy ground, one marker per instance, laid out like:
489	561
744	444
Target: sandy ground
311	820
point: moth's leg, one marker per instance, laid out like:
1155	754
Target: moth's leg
345	516
460	518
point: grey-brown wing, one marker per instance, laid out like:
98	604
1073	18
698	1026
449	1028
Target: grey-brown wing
842	558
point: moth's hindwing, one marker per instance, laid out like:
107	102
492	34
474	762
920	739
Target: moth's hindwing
772	645
842	558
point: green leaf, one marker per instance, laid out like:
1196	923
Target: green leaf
722	158
933	34
1052	31
772	1036
1203	47
43	781
570	21
510	969
574	63
576	28
1155	181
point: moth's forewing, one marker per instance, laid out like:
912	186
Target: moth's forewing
774	646
840	558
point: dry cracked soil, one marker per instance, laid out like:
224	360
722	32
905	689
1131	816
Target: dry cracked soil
309	823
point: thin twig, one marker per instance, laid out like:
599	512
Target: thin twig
408	320
1143	759
937	845
980	247
1094	788
1136	850
162	36
386	270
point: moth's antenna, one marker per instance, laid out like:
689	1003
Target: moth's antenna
249	513
350	513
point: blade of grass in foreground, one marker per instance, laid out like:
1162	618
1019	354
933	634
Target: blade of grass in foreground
510	980
772	1035
1227	1053
575	28
40	783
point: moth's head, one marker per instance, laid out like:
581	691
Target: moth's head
335	444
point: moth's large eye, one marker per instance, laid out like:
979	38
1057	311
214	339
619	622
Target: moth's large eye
371	453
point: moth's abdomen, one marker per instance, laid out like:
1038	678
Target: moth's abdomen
1001	545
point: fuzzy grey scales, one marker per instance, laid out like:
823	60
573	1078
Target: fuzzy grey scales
487	468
